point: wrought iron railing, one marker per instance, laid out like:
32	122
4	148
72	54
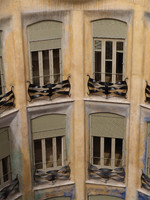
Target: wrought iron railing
12	188
52	175
145	181
7	100
106	88
147	92
105	174
50	90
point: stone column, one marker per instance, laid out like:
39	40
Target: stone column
21	101
135	89
78	78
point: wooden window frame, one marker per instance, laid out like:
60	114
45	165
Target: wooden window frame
113	140
54	147
51	67
103	59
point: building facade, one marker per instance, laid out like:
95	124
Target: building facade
74	99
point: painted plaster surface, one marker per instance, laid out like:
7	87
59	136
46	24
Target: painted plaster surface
77	60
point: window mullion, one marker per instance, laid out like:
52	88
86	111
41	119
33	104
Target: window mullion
114	62
102	151
1	173
91	151
113	152
43	154
63	150
60	65
54	152
103	60
40	57
51	66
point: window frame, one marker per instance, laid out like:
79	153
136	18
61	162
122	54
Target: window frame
54	152
103	58
2	182
112	159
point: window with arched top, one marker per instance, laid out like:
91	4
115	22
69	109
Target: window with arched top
45	52
109	37
107	136
48	134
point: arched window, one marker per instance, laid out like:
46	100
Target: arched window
48	133
107	131
45	52
109	50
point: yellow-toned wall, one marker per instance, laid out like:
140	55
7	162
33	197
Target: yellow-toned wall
16	15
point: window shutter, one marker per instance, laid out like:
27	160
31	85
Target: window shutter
108	28
45	35
107	125
103	197
49	126
4	143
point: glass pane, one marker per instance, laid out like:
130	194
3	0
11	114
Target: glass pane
118	152
5	169
96	150
38	154
107	151
35	67
119	66
59	151
49	152
108	70
98	45
1	75
120	46
56	65
97	66
108	50
46	72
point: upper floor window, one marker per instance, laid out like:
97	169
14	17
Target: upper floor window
107	132
45	52
109	50
5	169
1	68
48	133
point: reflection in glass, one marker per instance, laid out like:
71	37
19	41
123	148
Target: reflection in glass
118	152
5	169
56	65
96	150
107	151
35	67
49	152
97	66
59	150
46	72
38	154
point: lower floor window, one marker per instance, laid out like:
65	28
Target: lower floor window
5	172
49	153
107	152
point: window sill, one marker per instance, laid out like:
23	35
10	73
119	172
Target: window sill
47	102
14	196
109	183
144	191
51	185
109	100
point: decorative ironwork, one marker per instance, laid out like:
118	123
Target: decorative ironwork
7	100
117	174
52	175
49	90
145	181
107	88
147	92
12	188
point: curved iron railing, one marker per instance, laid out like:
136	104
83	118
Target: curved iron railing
12	188
52	175
117	174
107	88
49	90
